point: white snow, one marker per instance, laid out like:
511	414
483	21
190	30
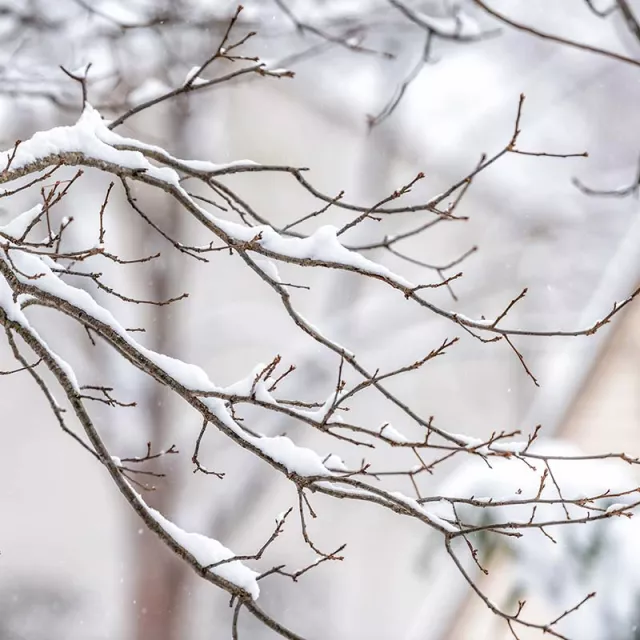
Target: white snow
280	449
16	227
269	267
468	320
208	551
14	313
416	506
391	433
335	463
89	136
617	506
192	76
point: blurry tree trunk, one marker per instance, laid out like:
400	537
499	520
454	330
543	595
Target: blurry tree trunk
160	575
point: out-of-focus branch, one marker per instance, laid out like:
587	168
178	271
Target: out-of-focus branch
582	46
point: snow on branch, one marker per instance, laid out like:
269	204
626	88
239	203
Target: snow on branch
209	552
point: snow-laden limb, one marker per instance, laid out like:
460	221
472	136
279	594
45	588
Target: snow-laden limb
515	447
484	447
85	138
281	450
460	317
91	137
201	167
322	245
31	269
212	560
255	388
12	310
207	551
278	72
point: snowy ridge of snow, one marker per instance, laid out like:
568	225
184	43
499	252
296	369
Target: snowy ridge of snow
390	432
17	227
12	308
88	136
208	551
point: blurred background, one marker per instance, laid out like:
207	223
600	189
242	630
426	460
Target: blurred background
74	563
